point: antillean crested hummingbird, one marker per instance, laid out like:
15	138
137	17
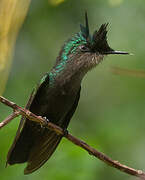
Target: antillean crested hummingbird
57	97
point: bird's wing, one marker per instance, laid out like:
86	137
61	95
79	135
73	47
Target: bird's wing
23	120
40	154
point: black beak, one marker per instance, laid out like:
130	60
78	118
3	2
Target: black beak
116	52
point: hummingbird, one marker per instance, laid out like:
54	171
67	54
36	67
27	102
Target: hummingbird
57	95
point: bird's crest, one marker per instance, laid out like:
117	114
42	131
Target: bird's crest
97	42
85	30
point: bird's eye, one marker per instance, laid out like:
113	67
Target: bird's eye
84	48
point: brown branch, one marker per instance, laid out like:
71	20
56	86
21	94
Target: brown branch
24	112
128	72
9	118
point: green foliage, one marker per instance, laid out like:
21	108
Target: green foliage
110	116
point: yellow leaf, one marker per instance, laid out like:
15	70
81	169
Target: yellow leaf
12	15
55	2
115	2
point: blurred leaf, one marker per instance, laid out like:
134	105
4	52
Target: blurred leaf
12	14
115	2
128	72
55	2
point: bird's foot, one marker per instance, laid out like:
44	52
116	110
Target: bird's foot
44	125
65	132
46	120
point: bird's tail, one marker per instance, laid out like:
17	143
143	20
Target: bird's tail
33	145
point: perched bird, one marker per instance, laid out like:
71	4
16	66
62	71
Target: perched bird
57	97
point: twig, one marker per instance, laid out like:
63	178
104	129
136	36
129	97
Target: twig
9	118
128	72
24	112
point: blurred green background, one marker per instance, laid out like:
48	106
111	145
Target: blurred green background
110	115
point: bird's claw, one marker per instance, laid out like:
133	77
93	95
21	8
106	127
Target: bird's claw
44	125
46	121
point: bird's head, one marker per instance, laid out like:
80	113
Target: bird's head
85	51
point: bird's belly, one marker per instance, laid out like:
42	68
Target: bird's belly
53	105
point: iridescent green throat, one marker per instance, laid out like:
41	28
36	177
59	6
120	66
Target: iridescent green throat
70	47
